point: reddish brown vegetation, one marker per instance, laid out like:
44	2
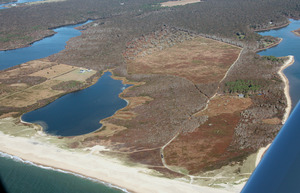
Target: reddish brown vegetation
209	145
205	147
199	60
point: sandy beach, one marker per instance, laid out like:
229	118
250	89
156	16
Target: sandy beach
287	63
261	152
94	165
179	2
296	32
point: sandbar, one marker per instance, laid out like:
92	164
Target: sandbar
297	32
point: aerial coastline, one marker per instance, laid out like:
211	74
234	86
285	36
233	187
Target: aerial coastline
270	46
185	92
94	165
36	145
273	27
286	64
289	61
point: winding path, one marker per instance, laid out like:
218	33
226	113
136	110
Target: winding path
177	134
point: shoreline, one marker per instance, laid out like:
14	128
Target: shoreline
296	32
288	109
51	33
94	81
18	159
94	166
270	46
273	28
260	154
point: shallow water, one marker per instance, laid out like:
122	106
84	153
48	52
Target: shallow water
19	177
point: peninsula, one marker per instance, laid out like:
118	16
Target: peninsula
297	32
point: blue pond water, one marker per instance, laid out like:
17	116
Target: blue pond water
40	49
80	112
279	170
23	177
290	45
2	6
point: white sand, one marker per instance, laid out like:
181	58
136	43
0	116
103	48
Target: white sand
46	1
260	154
289	62
179	2
106	169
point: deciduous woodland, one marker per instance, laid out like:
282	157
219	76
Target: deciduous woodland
188	64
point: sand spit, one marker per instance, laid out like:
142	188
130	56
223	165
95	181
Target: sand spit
46	1
297	32
287	63
179	2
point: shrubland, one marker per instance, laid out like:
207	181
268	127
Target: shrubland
175	100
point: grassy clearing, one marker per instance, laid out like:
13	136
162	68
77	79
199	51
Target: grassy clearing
36	80
200	60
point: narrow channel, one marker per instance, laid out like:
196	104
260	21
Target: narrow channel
40	49
290	45
279	169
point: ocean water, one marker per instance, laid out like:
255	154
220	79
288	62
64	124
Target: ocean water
279	169
290	45
80	112
40	49
18	176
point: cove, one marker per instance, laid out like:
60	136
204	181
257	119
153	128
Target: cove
40	49
290	45
2	6
279	169
80	112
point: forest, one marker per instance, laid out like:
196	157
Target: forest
220	19
242	86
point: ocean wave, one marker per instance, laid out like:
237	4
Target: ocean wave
18	159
